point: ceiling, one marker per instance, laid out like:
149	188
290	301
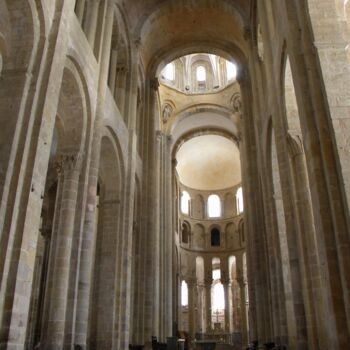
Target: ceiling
166	26
209	162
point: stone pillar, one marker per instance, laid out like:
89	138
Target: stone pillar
132	102
126	247
113	71
207	287
166	235
244	322
192	285
119	95
79	10
91	22
200	308
71	167
228	305
87	254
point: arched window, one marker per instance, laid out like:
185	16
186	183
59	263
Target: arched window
185	232
215	237
185	203
216	274
184	294
218	302
239	201
231	70
201	74
169	71
214	206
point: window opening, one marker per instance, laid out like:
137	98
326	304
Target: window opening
169	71
239	200
201	74
185	203
214	206
184	294
215	237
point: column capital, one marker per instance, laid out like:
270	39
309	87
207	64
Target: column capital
226	281
191	281
69	162
208	282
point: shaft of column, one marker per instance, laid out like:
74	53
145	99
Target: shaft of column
191	284
91	23
80	7
71	165
228	306
113	71
207	287
242	287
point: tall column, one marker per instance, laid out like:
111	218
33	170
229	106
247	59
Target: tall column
91	22
127	240
192	285
207	287
88	250
71	165
119	95
200	308
79	10
113	71
228	305
132	99
244	322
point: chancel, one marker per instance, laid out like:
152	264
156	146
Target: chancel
174	174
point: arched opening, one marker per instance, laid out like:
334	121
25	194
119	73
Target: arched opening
185	203
239	201
214	206
215	238
201	74
184	294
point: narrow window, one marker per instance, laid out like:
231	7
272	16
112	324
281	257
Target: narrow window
214	206
184	294
239	201
185	203
201	74
215	237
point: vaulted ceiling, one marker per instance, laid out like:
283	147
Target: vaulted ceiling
167	28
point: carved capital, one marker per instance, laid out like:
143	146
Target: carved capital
295	145
208	282
236	102
191	281
69	162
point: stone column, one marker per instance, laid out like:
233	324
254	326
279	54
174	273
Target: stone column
91	22
119	95
113	71
126	249
192	285
207	287
244	322
200	308
79	10
87	254
228	305
132	102
71	166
